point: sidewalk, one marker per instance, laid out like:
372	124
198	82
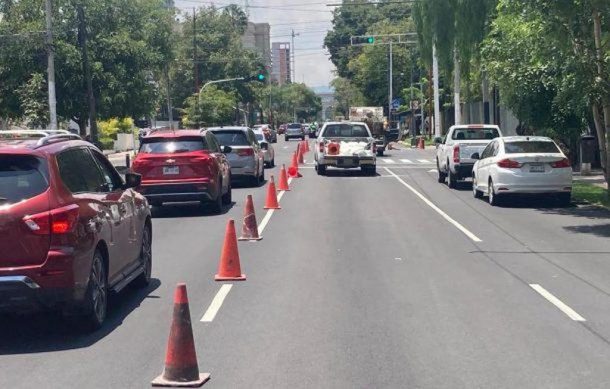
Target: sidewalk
596	178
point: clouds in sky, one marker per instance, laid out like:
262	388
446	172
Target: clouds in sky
311	19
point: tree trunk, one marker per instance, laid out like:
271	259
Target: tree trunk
601	135
597	34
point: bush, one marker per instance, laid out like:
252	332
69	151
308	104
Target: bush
107	143
109	128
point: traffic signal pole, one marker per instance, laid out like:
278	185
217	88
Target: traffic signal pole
51	66
390	97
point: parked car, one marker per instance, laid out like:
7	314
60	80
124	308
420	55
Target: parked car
246	157
453	153
267	148
522	165
72	229
294	130
184	165
345	145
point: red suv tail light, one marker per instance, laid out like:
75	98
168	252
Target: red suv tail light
456	154
561	164
245	152
509	164
57	221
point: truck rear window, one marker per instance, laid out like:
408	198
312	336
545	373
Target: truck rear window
173	145
21	178
527	147
345	131
232	138
475	133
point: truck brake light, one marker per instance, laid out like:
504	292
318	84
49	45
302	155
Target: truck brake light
456	154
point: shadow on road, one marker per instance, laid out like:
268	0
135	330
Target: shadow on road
50	331
349	173
588	212
180	210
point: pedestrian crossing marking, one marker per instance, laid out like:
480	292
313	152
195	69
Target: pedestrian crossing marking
388	161
424	161
406	161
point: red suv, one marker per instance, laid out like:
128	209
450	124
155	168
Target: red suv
71	229
184	165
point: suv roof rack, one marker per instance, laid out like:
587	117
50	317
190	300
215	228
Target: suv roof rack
47	140
24	133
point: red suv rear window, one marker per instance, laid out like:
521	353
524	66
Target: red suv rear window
173	145
21	178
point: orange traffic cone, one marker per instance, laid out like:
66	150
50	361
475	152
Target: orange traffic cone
421	144
307	147
293	170
271	202
249	230
283	184
229	268
300	152
181	368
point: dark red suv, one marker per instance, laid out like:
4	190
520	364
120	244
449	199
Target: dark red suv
184	165
71	229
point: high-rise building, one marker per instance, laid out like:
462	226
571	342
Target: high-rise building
257	38
280	68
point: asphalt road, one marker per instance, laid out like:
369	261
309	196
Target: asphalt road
392	281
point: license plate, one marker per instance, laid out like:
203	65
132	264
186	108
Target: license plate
539	168
345	162
171	170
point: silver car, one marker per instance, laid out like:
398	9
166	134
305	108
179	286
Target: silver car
268	151
294	130
246	157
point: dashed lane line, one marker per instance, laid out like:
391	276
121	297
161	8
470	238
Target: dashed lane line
557	303
456	224
214	307
265	221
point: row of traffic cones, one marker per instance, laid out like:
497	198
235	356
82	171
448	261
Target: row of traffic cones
181	366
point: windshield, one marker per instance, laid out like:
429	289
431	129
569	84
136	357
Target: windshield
345	131
21	178
259	137
526	147
294	125
475	133
172	145
232	138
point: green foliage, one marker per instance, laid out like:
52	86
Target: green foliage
212	107
346	95
110	128
287	100
106	143
33	101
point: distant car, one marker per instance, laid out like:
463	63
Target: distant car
269	132
184	165
71	229
282	129
267	147
246	157
522	165
294	130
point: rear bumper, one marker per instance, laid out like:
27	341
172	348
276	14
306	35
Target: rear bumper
177	192
243	172
507	181
291	136
463	169
347	162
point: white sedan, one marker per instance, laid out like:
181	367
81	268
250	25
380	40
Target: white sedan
522	165
266	146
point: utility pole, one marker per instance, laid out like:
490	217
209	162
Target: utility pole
51	66
195	64
169	99
456	88
437	108
390	84
294	69
82	40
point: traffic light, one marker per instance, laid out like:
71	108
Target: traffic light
261	77
370	39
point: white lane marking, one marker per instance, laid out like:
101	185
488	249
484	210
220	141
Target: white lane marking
432	171
388	161
210	314
558	303
265	221
406	161
424	161
457	225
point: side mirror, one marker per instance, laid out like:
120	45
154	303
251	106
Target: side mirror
265	146
226	149
438	140
475	156
132	180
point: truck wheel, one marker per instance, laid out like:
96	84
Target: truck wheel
380	152
451	179
321	169
441	176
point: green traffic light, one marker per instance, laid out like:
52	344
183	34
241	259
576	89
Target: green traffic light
371	39
261	77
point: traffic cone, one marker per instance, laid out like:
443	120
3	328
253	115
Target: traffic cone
307	147
271	202
229	268
283	184
300	154
293	170
421	144
181	368
249	230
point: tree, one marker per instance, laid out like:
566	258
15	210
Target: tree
212	107
346	95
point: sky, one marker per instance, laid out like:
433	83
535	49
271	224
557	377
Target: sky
309	18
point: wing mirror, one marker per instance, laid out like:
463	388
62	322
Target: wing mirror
438	140
132	180
226	149
475	156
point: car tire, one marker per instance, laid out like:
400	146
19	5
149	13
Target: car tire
227	198
303	137
451	179
96	297
143	280
564	199
380	152
475	192
441	175
369	170
321	169
286	139
493	198
272	164
216	205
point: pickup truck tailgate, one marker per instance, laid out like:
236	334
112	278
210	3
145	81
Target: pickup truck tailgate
467	149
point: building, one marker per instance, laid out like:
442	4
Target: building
257	38
280	68
327	96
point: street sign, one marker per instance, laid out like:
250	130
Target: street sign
396	103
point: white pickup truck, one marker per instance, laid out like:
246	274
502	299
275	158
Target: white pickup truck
345	145
454	152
